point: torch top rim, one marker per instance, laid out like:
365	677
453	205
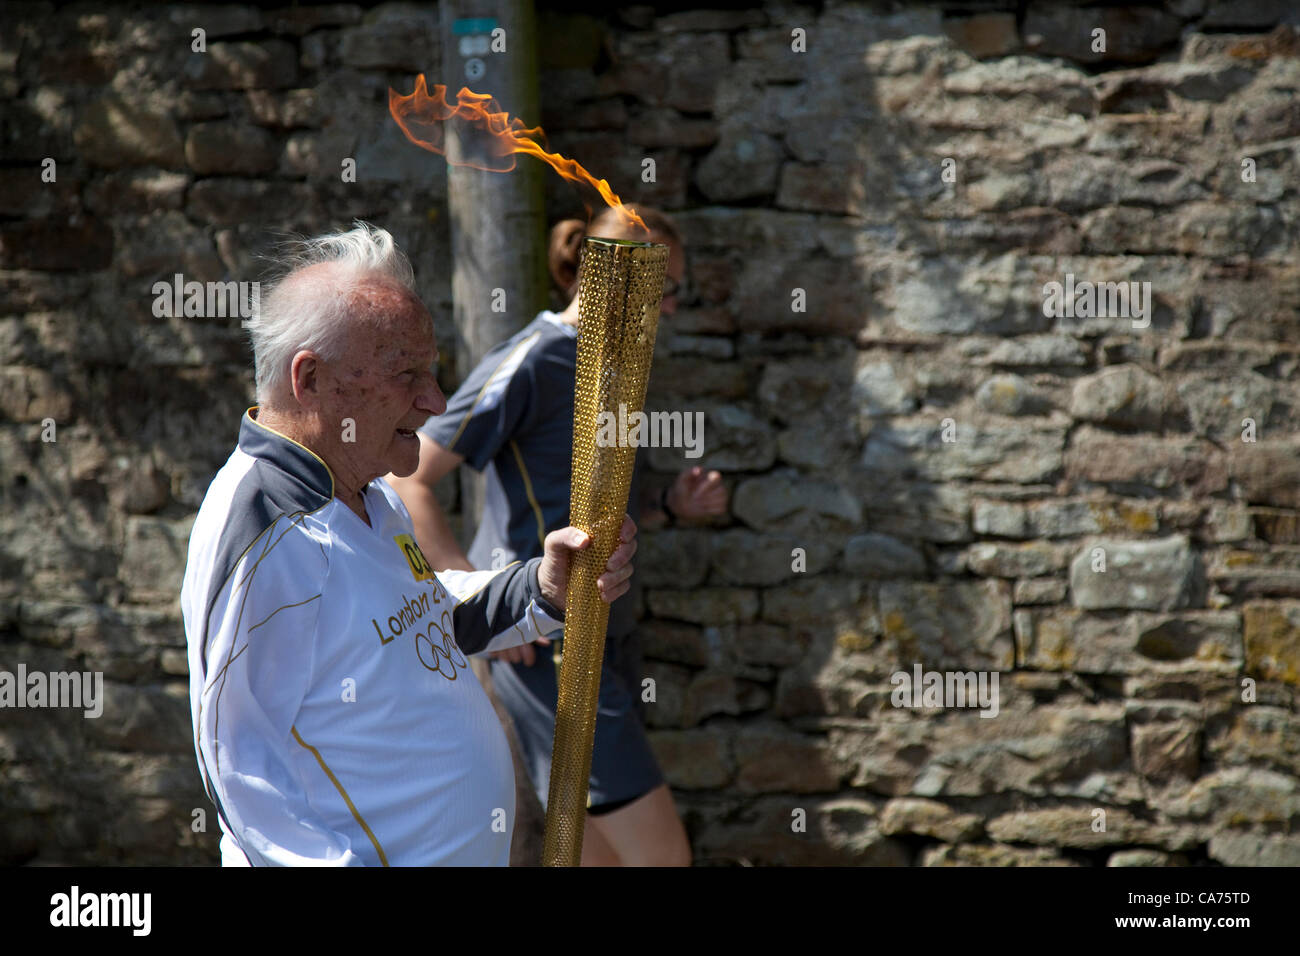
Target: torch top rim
626	242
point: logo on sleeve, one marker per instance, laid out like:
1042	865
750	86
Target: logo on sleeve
420	566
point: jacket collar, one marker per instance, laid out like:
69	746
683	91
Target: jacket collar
284	453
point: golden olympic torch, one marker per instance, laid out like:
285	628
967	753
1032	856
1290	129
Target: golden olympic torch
620	285
619	289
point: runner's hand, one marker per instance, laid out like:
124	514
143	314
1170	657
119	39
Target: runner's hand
523	654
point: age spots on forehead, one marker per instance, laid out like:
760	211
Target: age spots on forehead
390	327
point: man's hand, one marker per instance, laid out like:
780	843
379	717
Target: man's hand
696	494
553	574
553	577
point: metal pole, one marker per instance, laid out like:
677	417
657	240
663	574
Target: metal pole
498	226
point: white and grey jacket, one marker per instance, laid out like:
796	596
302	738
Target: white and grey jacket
336	720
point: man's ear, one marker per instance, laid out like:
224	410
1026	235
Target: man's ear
566	241
303	377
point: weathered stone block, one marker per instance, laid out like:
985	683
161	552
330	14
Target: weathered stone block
818	187
287	110
229	201
1153	643
1026	351
1039	591
1232	848
881	556
705	605
832	832
960	753
774	760
230	148
949	625
1235	798
1063	518
72	243
694	759
732	439
1132	34
674	558
163	245
700	61
1272	638
1145	858
744	165
678	643
968	854
115	132
740	556
799	387
984	34
766	644
270	64
136	192
1143	462
937	451
948	296
784	501
143	719
153	558
1268	472
1165	750
1148	575
713	692
1275	525
819	599
1074	827
298	20
922	511
929	818
396	36
217	20
32	395
1015	561
1219	407
880	388
679	377
1123	395
669	686
1010	395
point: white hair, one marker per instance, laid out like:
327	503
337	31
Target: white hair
314	313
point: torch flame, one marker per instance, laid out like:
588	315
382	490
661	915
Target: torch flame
490	134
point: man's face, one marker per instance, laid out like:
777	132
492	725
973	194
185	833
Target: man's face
384	383
676	273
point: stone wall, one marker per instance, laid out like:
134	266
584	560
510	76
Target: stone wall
1102	510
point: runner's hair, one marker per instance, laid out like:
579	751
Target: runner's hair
567	235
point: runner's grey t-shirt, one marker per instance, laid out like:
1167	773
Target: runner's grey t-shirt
512	419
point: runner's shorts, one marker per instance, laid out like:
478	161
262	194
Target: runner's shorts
623	767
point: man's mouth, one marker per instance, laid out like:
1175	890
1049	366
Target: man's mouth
406	432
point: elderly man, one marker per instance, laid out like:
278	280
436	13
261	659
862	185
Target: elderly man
335	718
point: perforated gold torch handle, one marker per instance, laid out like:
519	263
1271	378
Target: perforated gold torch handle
619	289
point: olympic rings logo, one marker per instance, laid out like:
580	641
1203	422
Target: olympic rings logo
446	654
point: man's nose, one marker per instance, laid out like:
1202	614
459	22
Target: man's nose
431	399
